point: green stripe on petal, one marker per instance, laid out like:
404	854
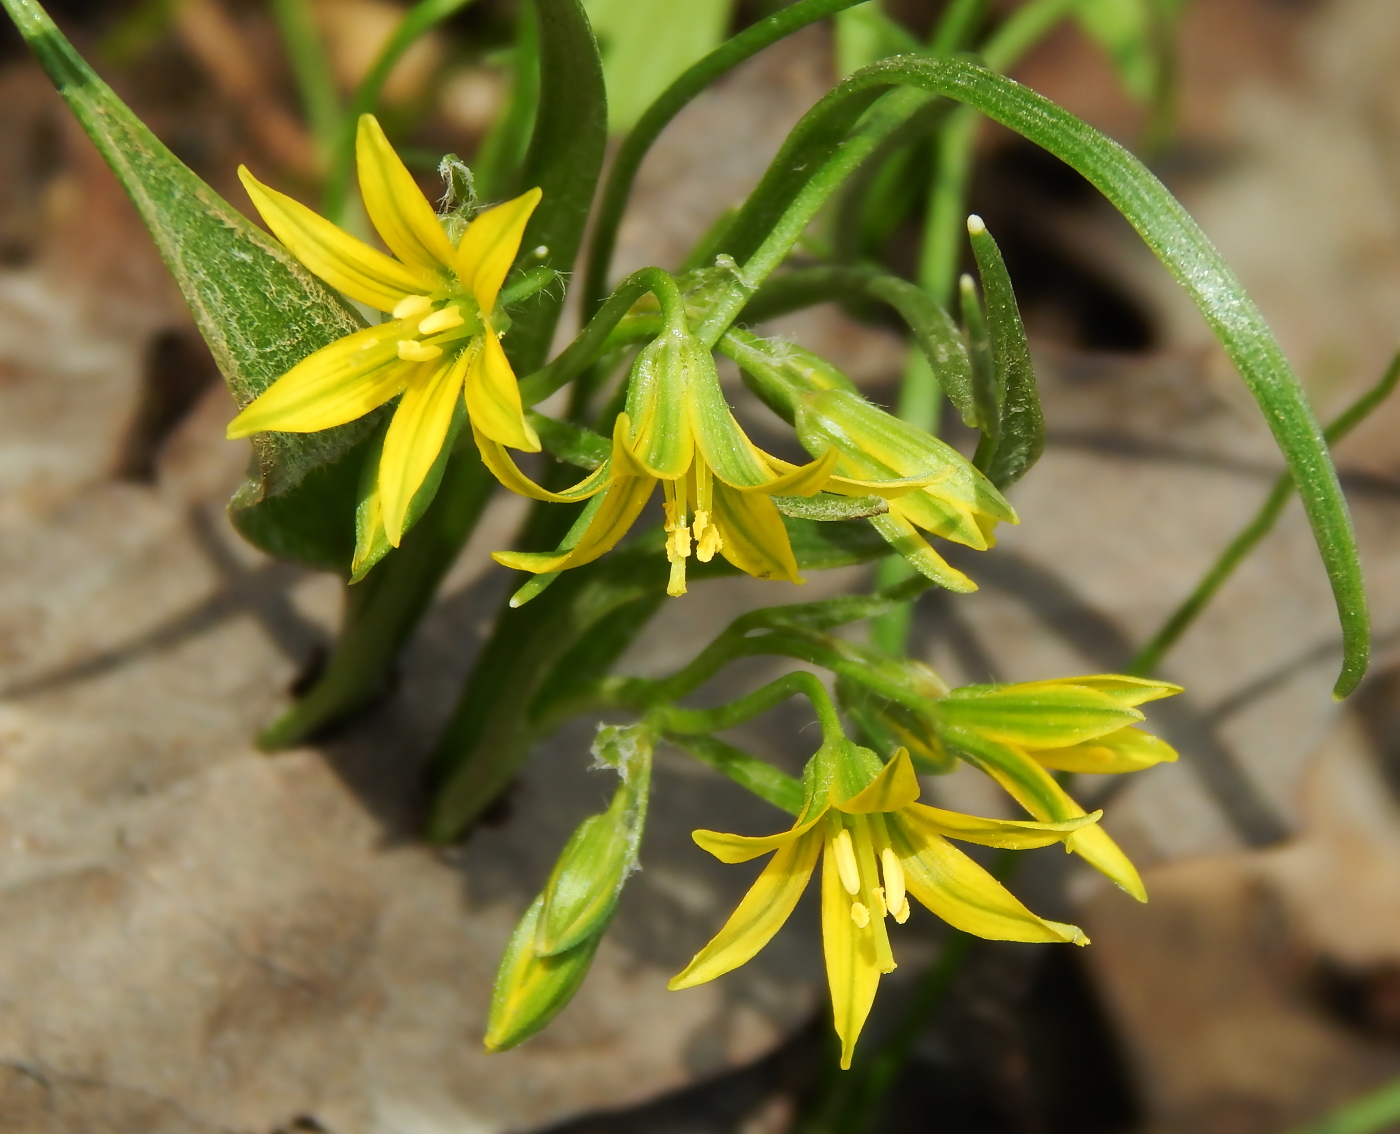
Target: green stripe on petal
347	264
852	967
759	916
396	206
1024	780
493	395
755	538
1048	715
724	446
1008	834
489	246
661	438
338	383
953	887
1119	686
414	440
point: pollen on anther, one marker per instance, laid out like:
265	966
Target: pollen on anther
411	350
846	862
860	915
411	305
449	317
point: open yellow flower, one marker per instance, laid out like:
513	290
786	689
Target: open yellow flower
878	847
677	429
440	343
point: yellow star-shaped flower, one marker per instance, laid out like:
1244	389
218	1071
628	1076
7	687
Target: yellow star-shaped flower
878	847
439	344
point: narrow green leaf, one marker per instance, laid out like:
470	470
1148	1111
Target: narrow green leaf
987	391
1020	433
1168	229
826	507
564	161
628	159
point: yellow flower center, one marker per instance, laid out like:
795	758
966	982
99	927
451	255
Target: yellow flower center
867	897
421	317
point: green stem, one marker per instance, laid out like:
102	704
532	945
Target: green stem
383	609
1151	655
312	70
698	722
956	27
416	22
670	103
754	775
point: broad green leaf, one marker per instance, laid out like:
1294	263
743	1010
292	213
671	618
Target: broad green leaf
583	888
1020	432
531	990
646	44
258	308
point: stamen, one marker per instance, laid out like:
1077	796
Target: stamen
707	537
846	862
450	316
893	871
878	893
411	305
901	915
411	350
675	587
860	915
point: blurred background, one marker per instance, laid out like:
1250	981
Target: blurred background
198	937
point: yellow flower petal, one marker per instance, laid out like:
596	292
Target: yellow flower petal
340	382
1127	750
1037	791
414	439
1119	686
741	848
347	264
952	886
796	480
755	540
495	457
852	968
396	206
759	916
896	786
493	396
625	499
1011	834
489	246
900	535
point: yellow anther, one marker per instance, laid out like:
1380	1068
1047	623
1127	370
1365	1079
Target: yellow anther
860	915
901	914
846	862
878	894
707	537
893	871
449	317
411	350
411	305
